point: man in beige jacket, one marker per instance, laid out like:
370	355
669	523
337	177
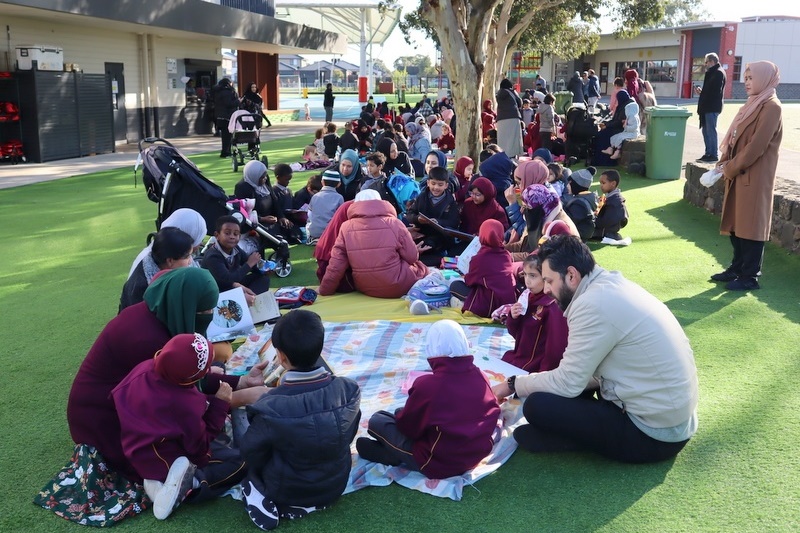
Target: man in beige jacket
626	387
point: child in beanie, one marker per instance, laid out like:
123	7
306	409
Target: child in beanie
168	426
447	424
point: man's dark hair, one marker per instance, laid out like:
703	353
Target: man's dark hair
225	219
562	251
299	335
282	169
438	174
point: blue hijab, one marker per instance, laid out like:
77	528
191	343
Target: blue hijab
440	156
351	156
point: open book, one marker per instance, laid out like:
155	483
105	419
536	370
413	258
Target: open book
447	231
231	317
265	308
274	370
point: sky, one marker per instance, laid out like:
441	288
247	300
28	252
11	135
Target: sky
728	10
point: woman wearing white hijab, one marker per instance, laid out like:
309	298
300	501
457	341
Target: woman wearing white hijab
447	424
185	219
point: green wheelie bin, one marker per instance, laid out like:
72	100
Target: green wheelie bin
666	131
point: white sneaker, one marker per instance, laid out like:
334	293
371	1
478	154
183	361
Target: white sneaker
167	496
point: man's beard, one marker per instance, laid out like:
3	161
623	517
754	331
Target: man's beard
564	297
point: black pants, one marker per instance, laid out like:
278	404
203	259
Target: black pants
747	257
588	424
225	469
225	135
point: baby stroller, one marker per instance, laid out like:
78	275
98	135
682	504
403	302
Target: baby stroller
580	133
245	130
172	181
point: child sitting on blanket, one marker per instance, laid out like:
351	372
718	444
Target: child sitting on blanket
536	323
168	426
490	281
228	263
446	427
297	446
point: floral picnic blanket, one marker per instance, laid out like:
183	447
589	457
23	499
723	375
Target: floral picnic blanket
380	356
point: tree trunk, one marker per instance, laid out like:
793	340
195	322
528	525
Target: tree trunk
463	29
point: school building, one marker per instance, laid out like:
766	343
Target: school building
87	74
672	58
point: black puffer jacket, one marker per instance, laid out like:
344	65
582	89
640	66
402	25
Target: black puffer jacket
297	447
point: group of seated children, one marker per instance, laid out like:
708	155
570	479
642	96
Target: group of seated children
294	456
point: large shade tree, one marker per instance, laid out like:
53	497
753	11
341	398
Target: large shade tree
477	37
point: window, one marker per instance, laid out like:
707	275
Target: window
620	68
662	71
737	68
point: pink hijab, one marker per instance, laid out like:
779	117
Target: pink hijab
766	78
531	172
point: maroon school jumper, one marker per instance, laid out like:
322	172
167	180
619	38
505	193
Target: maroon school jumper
540	335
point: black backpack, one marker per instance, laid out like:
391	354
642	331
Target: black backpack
580	211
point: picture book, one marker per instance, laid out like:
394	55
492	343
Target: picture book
231	317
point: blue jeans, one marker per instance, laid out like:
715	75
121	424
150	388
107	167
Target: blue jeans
710	133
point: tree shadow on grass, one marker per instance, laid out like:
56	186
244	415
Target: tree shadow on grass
779	282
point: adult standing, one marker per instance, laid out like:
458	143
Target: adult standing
575	86
327	102
541	84
253	103
623	344
709	105
509	131
749	159
593	90
226	102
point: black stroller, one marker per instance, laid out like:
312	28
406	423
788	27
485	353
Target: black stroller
580	134
172	181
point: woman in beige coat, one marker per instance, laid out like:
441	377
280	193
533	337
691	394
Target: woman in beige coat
749	159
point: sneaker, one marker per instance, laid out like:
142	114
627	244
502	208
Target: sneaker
262	511
725	276
169	495
373	451
708	158
743	284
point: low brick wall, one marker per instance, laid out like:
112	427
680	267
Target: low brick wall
785	211
631	157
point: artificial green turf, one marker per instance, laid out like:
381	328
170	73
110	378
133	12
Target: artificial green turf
67	248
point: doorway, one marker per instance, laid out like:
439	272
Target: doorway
115	74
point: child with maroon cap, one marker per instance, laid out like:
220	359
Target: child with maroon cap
169	427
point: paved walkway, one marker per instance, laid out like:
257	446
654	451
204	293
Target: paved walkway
347	106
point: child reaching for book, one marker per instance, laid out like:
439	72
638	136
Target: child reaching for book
297	447
447	424
612	215
437	204
168	426
490	281
536	323
227	262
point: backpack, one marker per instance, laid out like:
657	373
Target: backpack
580	211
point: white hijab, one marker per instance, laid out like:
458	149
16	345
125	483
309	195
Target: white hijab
446	339
367	194
186	220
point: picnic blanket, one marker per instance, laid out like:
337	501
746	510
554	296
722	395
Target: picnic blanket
379	356
355	306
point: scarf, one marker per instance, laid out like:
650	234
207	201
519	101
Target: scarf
531	172
187	220
446	339
474	215
176	297
766	78
352	156
253	172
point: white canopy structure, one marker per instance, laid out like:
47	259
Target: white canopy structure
361	21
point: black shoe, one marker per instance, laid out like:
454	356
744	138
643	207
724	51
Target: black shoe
224	155
373	451
743	284
725	276
708	158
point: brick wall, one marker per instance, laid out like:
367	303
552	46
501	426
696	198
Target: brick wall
785	211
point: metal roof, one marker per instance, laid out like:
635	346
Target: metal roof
343	17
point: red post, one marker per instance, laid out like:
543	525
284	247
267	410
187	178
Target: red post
362	89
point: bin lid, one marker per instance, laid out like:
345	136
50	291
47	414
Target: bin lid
667	111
